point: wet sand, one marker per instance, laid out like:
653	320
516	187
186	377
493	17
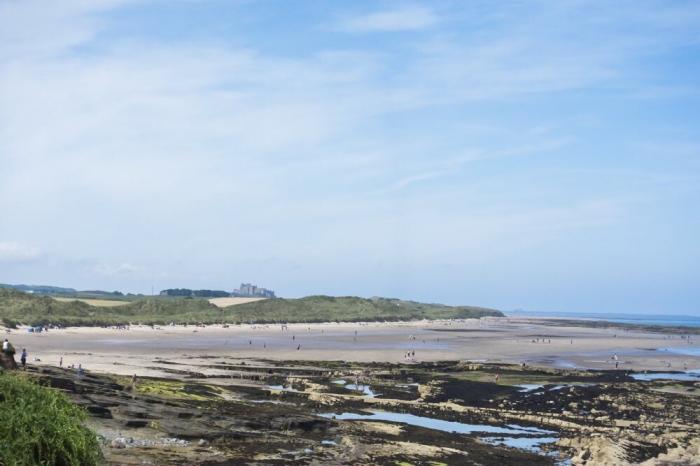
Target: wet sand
496	340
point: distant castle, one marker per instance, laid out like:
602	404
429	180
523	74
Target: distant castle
252	291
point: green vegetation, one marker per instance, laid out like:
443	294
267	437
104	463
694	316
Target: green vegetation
43	289
21	308
70	292
40	426
350	309
170	388
187	293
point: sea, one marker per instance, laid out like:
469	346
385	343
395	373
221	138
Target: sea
641	319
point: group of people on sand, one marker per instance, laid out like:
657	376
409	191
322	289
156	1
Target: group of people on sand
10	351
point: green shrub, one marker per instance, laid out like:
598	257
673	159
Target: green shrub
9	323
40	426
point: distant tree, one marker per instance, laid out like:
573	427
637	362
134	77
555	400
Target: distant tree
177	292
187	293
211	294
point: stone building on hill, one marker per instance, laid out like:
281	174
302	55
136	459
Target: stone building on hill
248	290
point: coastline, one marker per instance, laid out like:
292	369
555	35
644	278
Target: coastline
170	394
508	340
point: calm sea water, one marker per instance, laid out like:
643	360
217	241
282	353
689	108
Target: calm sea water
685	350
642	319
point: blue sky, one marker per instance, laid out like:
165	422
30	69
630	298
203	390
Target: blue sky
541	155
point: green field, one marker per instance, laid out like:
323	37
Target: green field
18	308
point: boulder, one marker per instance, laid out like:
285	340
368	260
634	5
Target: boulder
118	443
7	361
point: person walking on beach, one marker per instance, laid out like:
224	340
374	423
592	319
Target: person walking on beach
60	362
23	358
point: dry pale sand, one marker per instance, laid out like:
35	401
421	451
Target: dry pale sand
507	340
95	302
223	302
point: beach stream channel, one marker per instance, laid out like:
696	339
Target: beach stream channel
512	435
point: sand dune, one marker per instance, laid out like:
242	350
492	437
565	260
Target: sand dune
223	302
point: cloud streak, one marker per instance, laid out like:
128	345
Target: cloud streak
407	18
15	252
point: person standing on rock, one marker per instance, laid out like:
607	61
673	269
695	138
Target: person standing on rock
23	358
7	348
133	386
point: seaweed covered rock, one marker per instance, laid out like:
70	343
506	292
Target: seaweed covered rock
7	361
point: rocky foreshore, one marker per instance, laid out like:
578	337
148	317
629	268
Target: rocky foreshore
263	412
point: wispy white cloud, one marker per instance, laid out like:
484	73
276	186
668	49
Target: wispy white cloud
407	18
409	180
123	269
32	28
15	252
452	165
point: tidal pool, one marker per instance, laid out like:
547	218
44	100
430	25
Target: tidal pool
282	388
685	376
512	435
529	387
439	424
532	444
365	389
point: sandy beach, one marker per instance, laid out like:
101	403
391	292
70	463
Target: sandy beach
142	349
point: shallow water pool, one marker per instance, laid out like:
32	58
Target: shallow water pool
686	376
438	424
